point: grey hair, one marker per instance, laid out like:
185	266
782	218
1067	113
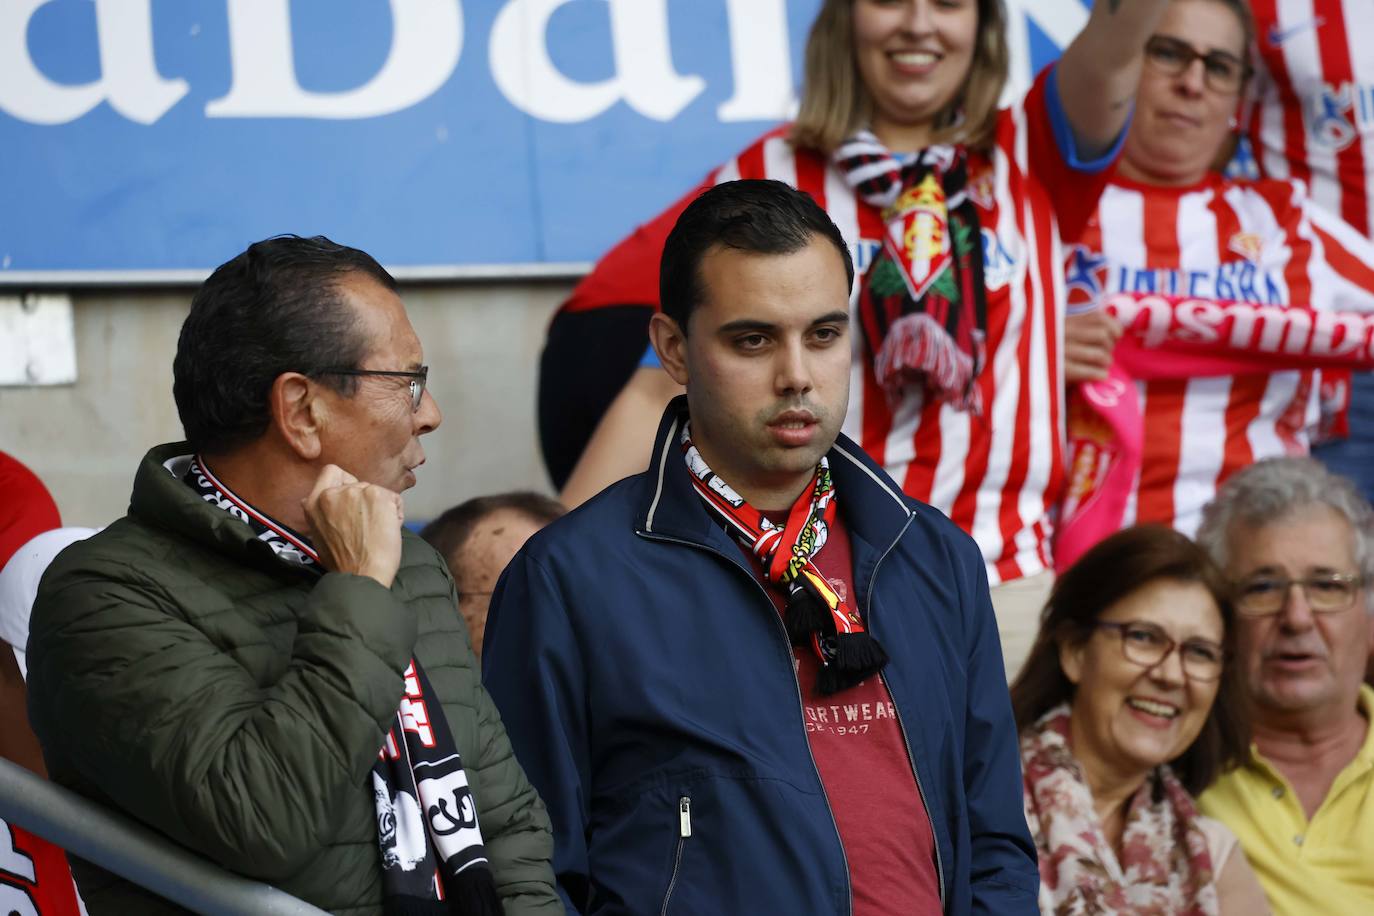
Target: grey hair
1276	488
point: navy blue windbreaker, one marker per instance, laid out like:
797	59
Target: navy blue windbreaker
647	686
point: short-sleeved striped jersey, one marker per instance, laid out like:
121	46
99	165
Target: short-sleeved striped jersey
1261	242
998	475
1313	110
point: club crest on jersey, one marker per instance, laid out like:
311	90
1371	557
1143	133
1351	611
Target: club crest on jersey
918	227
1248	245
1085	277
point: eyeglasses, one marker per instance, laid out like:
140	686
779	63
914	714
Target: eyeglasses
1147	645
1221	72
417	380
1326	593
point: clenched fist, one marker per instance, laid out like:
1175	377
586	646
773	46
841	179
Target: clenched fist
355	526
1089	338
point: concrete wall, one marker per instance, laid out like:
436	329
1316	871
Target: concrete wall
482	343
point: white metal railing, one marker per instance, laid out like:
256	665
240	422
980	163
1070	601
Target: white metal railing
128	849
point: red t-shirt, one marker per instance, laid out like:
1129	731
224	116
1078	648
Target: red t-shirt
34	878
862	758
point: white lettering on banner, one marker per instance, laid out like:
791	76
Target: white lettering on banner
761	61
1245	326
644	76
129	79
426	40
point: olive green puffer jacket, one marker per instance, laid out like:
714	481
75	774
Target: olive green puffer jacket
180	672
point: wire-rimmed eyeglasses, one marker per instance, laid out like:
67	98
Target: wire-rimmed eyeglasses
1326	593
418	380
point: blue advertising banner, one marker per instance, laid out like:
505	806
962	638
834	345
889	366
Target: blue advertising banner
152	139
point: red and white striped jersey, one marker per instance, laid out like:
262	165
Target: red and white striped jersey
998	475
1262	242
1313	110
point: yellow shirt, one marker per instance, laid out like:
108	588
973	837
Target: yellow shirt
1322	867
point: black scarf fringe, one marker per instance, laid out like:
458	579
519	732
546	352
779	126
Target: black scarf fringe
857	656
806	613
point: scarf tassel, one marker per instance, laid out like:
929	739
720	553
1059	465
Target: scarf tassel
858	656
806	614
916	347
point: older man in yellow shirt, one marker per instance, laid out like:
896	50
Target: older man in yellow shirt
1298	542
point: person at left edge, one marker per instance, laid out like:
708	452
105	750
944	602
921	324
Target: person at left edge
757	678
258	661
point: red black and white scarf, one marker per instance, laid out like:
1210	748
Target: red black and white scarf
433	860
922	304
816	615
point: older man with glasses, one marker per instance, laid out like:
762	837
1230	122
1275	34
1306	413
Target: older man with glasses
258	661
1295	540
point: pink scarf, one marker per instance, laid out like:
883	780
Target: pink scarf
1175	337
1164	868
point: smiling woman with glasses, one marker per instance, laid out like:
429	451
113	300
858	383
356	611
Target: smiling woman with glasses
1127	708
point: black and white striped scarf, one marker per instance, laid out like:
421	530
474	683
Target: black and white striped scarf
433	860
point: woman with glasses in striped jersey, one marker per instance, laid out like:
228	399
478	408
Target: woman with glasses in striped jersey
1169	227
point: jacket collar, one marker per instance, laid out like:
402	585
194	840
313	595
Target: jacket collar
161	499
873	507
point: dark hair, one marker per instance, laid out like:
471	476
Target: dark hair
754	215
450	531
1110	571
272	309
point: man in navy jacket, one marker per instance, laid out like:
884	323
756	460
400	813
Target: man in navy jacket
757	678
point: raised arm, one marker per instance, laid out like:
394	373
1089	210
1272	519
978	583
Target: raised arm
1100	69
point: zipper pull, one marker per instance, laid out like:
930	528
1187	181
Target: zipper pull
684	816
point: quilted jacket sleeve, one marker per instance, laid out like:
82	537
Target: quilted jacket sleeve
125	692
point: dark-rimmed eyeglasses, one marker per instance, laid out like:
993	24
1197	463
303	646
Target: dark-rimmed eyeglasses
1326	593
1221	72
1146	644
418	380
